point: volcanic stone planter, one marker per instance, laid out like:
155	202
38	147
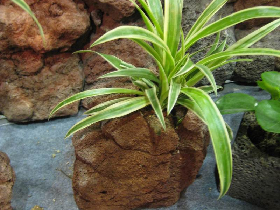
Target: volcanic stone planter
130	162
7	180
256	165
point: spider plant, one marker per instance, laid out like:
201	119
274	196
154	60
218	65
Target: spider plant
177	76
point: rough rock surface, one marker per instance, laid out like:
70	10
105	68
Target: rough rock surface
245	4
115	9
7	179
191	12
250	72
95	66
32	84
63	22
256	175
130	162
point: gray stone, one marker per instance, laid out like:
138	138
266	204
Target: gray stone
256	175
250	72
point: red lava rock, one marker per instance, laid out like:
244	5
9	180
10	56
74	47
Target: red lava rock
63	22
31	85
245	4
7	179
115	9
130	162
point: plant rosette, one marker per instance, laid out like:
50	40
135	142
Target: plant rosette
177	73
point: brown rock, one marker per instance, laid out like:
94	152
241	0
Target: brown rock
245	4
7	179
131	162
31	85
63	23
115	9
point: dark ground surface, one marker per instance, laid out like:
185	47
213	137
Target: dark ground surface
43	160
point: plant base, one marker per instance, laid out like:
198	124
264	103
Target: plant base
130	162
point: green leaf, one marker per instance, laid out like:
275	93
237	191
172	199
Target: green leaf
91	93
250	39
207	72
116	110
178	66
241	52
233	19
191	105
174	92
156	9
164	85
146	20
230	61
155	54
133	72
152	15
221	47
268	115
207	14
131	32
189	65
139	83
272	78
172	24
26	7
229	130
214	46
149	25
152	96
219	135
255	36
209	89
271	83
229	54
182	43
104	105
149	49
274	91
116	62
236	102
113	60
148	82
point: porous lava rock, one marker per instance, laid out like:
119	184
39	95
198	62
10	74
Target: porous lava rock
245	4
63	22
130	162
32	84
7	179
256	160
117	10
250	72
